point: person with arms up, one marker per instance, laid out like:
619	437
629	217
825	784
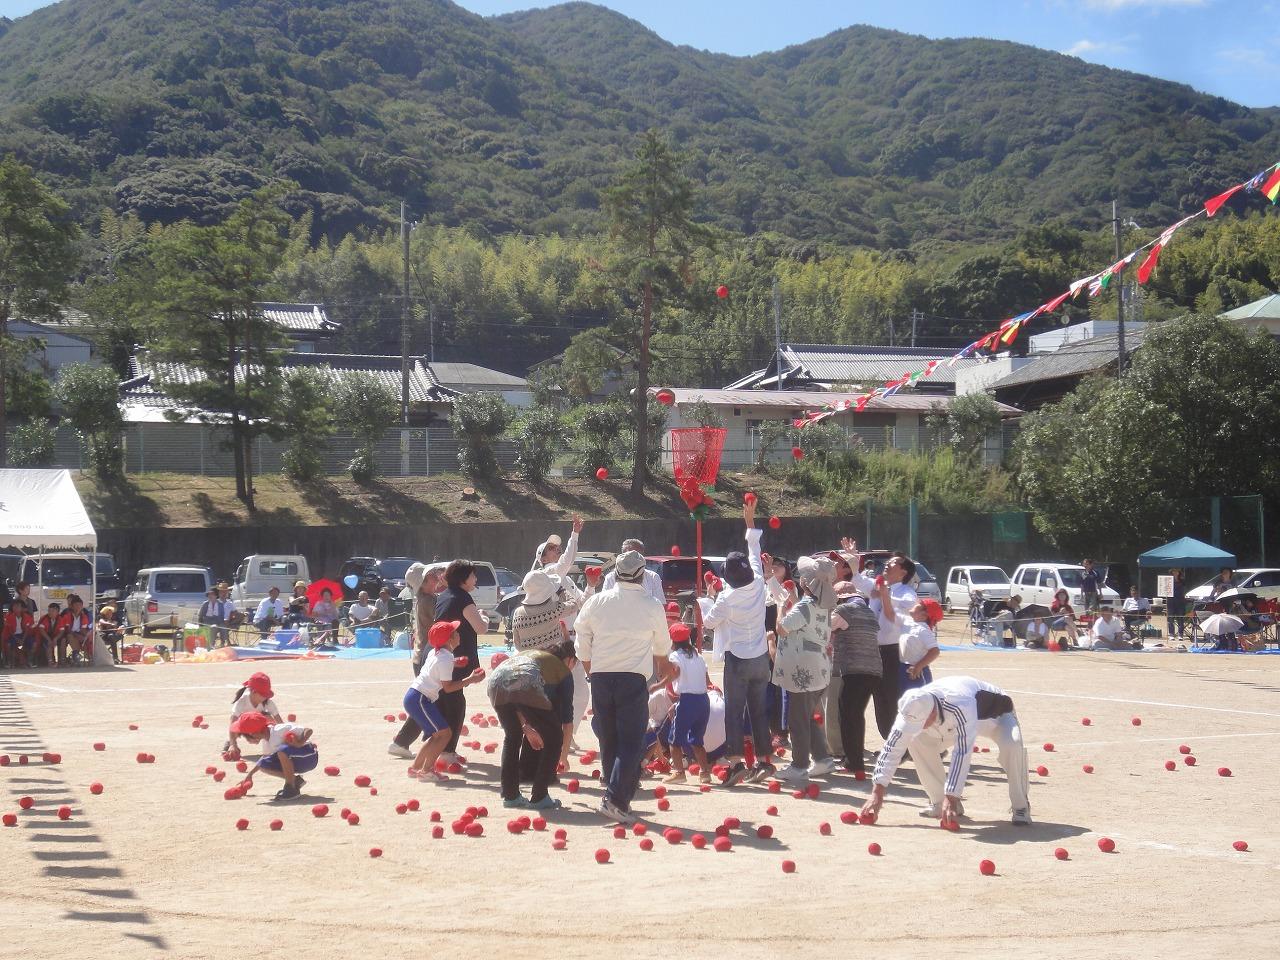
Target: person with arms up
898	573
950	714
553	557
622	641
737	617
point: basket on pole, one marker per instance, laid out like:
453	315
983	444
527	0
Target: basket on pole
695	463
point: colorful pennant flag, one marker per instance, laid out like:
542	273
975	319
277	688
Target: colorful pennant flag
1271	186
1212	206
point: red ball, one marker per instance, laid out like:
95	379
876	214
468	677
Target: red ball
277	824
1042	771
402	808
602	474
619	833
95	788
775	522
722	291
788	866
332	771
987	868
231	793
141	758
867	818
659	792
666	397
344	812
412	805
698	841
1048	748
1184	749
1136	721
559	844
320	810
797	453
53	758
1190	761
860	775
733	823
26	803
775	786
561	834
873	849
353	819
812	791
242	767
748	498
1061	853
219	776
99	746
664	804
10	820
1240	845
640	829
1106	845
798	794
435	816
1085	721
849	817
4	759
772	811
1222	771
673	835
133	726
764	831
292	717
602	855
722	844
242	824
513	826
824	828
363	781
437	833
454	768
539	823
475	830
1170	765
572	786
646	844
64	813
1087	768
375	852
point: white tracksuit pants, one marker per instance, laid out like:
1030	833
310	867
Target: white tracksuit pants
581	693
926	752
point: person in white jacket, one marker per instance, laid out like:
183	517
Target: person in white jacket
950	714
737	617
552	556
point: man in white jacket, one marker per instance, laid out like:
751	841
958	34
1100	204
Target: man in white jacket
737	617
554	557
622	641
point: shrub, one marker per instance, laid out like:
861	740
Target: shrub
31	444
307	417
89	398
537	436
370	407
600	435
479	421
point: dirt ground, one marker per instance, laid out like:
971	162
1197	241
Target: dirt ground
154	866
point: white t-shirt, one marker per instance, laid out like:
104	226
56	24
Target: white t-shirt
1107	631
916	640
278	737
245	703
360	611
437	669
1136	605
659	706
691	674
270	608
901	595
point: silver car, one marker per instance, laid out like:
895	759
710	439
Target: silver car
166	598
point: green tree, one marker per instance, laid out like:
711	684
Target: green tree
537	434
655	238
36	259
703	414
1118	464
599	434
33	444
89	397
966	422
306	415
479	421
370	407
217	355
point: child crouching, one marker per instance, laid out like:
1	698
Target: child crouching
287	750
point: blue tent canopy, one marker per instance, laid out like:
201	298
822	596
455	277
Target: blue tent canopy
1187	552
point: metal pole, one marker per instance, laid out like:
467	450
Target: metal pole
1262	532
1215	521
1115	228
913	527
915	317
777	328
404	348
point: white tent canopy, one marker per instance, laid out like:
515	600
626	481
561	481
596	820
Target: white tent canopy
41	510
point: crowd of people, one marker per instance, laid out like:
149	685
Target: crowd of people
55	638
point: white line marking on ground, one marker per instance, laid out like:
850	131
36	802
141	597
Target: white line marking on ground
221	686
41	686
1187	739
1146	703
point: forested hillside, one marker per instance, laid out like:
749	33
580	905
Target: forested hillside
177	108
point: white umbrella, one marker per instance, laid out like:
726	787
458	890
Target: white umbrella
1221	624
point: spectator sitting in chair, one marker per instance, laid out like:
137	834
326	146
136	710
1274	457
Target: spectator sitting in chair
1064	618
382	614
1005	613
1137	611
73	628
362	611
270	612
1037	634
1108	633
109	630
1222	584
325	615
42	649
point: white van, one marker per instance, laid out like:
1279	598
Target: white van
964	582
262	571
1038	582
62	574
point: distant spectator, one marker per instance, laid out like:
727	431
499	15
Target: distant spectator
73	628
18	633
1137	611
1176	609
108	630
1064	618
1091	583
1222	584
325	615
1108	632
299	599
270	612
46	629
360	612
382	614
1037	634
23	592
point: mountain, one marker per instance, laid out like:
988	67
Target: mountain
177	108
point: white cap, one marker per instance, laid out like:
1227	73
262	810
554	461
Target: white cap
916	705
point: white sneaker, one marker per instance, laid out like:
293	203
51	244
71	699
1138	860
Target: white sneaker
1022	817
449	758
793	774
404	753
820	768
615	813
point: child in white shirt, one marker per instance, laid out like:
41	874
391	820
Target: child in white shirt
693	708
918	643
286	751
420	699
255	694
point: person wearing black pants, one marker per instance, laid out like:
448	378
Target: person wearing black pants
888	689
856	665
516	724
455	604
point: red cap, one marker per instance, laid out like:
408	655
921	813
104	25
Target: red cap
836	557
679	632
933	611
251	722
260	684
440	632
673	607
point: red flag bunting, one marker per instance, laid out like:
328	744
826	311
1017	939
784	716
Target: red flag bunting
1213	206
1056	302
1149	264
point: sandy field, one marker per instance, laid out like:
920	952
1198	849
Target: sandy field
155	867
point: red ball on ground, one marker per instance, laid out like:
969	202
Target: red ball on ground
1042	771
722	844
987	868
435	816
1048	748
242	824
788	866
1240	845
733	823
242	767
231	793
412	804
775	523
363	781
53	758
849	817
344	812
437	833
402	716
1087	768
276	824
1190	761
572	786
375	852
1170	765
454	768
402	808
95	788
353	818
539	823
775	786
602	474
332	771
1184	749
772	811
602	855
4	759
873	849
141	758
764	831
1222	771
133	726
475	829
559	844
722	831
664	804
673	835
320	810
698	841
292	718
1136	721
10	820
561	834
64	813
867	818
619	833
1106	845
1061	853
513	826
659	792
812	791
219	776
646	844
99	746
824	828
26	803
1085	721
798	794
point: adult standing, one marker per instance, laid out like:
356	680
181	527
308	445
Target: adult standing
425	581
456	603
898	573
542	623
622	641
1091	582
1222	584
1177	606
855	670
949	714
558	563
802	667
652	581
554	557
737	617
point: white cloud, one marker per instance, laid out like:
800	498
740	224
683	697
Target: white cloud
1085	48
1244	58
1112	5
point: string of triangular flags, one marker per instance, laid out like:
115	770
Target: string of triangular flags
1267	183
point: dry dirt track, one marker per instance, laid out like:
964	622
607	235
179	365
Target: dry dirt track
154	866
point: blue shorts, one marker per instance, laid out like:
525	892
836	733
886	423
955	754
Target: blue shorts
693	710
424	712
305	758
663	733
926	676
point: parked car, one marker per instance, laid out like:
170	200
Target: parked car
1264	581
1038	582
589	558
373	574
508	582
678	574
260	572
926	584
166	598
111	584
55	576
486	593
963	582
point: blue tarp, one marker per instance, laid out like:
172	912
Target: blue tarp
1187	552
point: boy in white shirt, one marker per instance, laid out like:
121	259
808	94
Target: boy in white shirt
420	699
286	751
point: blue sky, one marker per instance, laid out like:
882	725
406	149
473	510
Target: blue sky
1226	47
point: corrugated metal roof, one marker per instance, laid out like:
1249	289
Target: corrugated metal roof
465	376
815	400
145	386
1072	360
299	317
1268	308
852	363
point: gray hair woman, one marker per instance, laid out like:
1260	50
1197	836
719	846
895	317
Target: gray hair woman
538	623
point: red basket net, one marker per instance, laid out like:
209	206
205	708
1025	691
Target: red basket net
695	452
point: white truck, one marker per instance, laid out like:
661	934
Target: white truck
260	572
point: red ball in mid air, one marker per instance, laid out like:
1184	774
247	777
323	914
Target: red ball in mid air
602	474
775	523
722	291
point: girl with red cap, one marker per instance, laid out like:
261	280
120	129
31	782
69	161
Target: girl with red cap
256	694
287	751
693	708
420	699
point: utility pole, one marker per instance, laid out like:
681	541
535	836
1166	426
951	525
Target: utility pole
431	332
916	316
777	328
404	348
1115	227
